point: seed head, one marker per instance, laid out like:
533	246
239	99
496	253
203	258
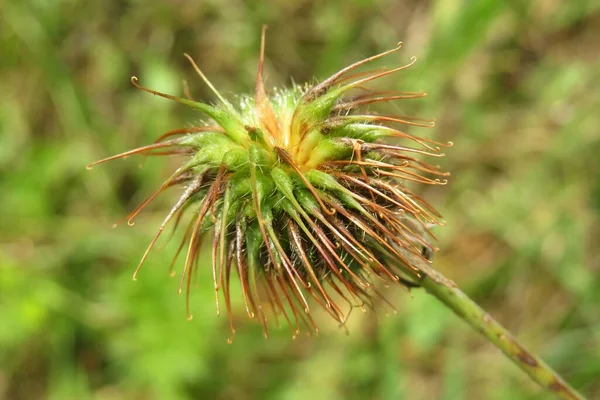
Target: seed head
301	195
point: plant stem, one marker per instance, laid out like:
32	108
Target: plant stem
448	293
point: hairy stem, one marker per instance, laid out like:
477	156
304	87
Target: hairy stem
448	293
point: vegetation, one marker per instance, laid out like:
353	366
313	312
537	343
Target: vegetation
511	84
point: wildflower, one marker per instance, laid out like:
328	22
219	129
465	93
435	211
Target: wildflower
300	194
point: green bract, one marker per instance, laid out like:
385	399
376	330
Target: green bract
301	194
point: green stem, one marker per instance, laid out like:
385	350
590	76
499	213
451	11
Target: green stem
448	293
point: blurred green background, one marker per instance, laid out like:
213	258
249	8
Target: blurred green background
513	84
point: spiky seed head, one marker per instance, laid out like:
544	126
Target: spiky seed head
301	194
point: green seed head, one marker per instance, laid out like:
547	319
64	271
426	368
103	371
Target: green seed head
301	194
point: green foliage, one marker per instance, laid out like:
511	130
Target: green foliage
512	84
